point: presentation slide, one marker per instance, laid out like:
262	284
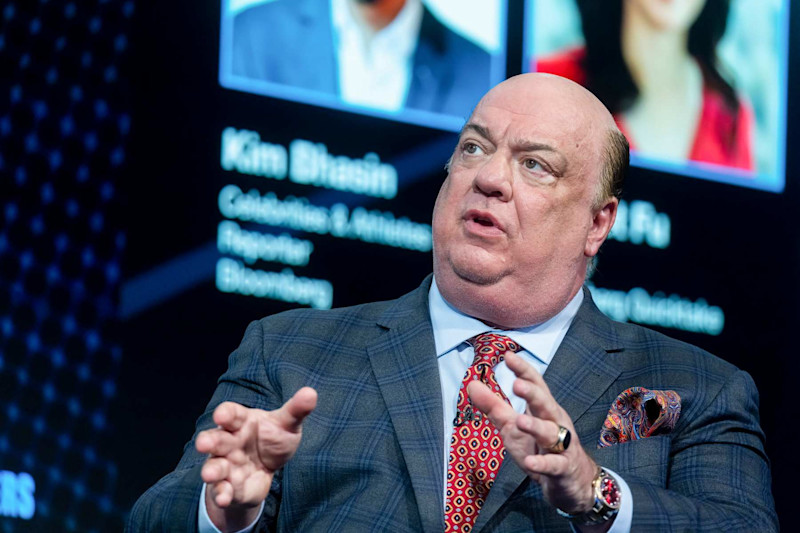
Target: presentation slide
699	88
427	64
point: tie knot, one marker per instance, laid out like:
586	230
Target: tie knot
490	347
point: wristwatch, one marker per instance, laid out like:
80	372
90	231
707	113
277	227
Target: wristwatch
606	502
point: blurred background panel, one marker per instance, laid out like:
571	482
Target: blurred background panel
152	204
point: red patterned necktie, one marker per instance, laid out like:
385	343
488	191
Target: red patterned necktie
476	448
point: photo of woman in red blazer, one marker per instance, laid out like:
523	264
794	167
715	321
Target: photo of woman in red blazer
654	64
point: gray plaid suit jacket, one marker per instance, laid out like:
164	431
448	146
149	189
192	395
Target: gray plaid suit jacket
371	455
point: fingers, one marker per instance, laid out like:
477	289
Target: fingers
215	469
545	432
487	402
530	386
524	371
291	414
245	449
550	465
222	493
216	442
540	402
230	416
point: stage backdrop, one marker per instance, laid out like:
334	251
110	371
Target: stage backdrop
172	171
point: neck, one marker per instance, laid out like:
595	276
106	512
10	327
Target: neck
657	59
375	16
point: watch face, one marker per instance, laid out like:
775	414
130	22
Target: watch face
609	492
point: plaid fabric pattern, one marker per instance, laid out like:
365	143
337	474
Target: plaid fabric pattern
371	455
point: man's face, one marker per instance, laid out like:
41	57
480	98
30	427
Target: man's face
515	222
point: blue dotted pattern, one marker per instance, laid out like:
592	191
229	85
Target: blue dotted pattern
64	123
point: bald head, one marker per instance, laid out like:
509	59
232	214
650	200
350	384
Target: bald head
550	87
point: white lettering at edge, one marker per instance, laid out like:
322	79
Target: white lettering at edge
16	495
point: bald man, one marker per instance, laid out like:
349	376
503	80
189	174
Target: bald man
495	397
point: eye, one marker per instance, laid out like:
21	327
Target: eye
471	148
533	164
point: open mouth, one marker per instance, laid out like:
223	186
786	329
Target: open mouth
482	221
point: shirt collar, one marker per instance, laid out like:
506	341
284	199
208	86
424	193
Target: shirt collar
451	327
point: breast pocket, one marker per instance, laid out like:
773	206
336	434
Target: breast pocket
647	458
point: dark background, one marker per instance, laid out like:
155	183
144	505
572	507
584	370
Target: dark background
112	333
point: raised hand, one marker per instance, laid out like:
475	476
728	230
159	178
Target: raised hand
245	450
566	478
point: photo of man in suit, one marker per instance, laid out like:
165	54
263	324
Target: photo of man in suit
496	396
386	55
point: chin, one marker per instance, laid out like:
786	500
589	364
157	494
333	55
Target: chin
478	294
476	266
477	276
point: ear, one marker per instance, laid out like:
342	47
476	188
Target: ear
602	221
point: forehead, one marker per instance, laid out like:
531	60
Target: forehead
550	111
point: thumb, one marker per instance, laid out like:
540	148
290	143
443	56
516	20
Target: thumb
291	414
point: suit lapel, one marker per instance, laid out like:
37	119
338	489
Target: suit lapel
581	370
315	48
404	363
431	70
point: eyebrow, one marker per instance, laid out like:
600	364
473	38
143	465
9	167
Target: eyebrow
480	130
526	146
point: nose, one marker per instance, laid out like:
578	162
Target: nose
494	179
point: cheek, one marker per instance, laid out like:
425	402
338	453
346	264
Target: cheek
555	230
442	209
538	209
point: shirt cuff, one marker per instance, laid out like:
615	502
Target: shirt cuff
204	523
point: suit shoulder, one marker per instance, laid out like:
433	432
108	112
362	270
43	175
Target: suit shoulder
270	22
325	319
449	41
345	327
467	47
657	348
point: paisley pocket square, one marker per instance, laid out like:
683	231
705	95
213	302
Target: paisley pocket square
638	413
